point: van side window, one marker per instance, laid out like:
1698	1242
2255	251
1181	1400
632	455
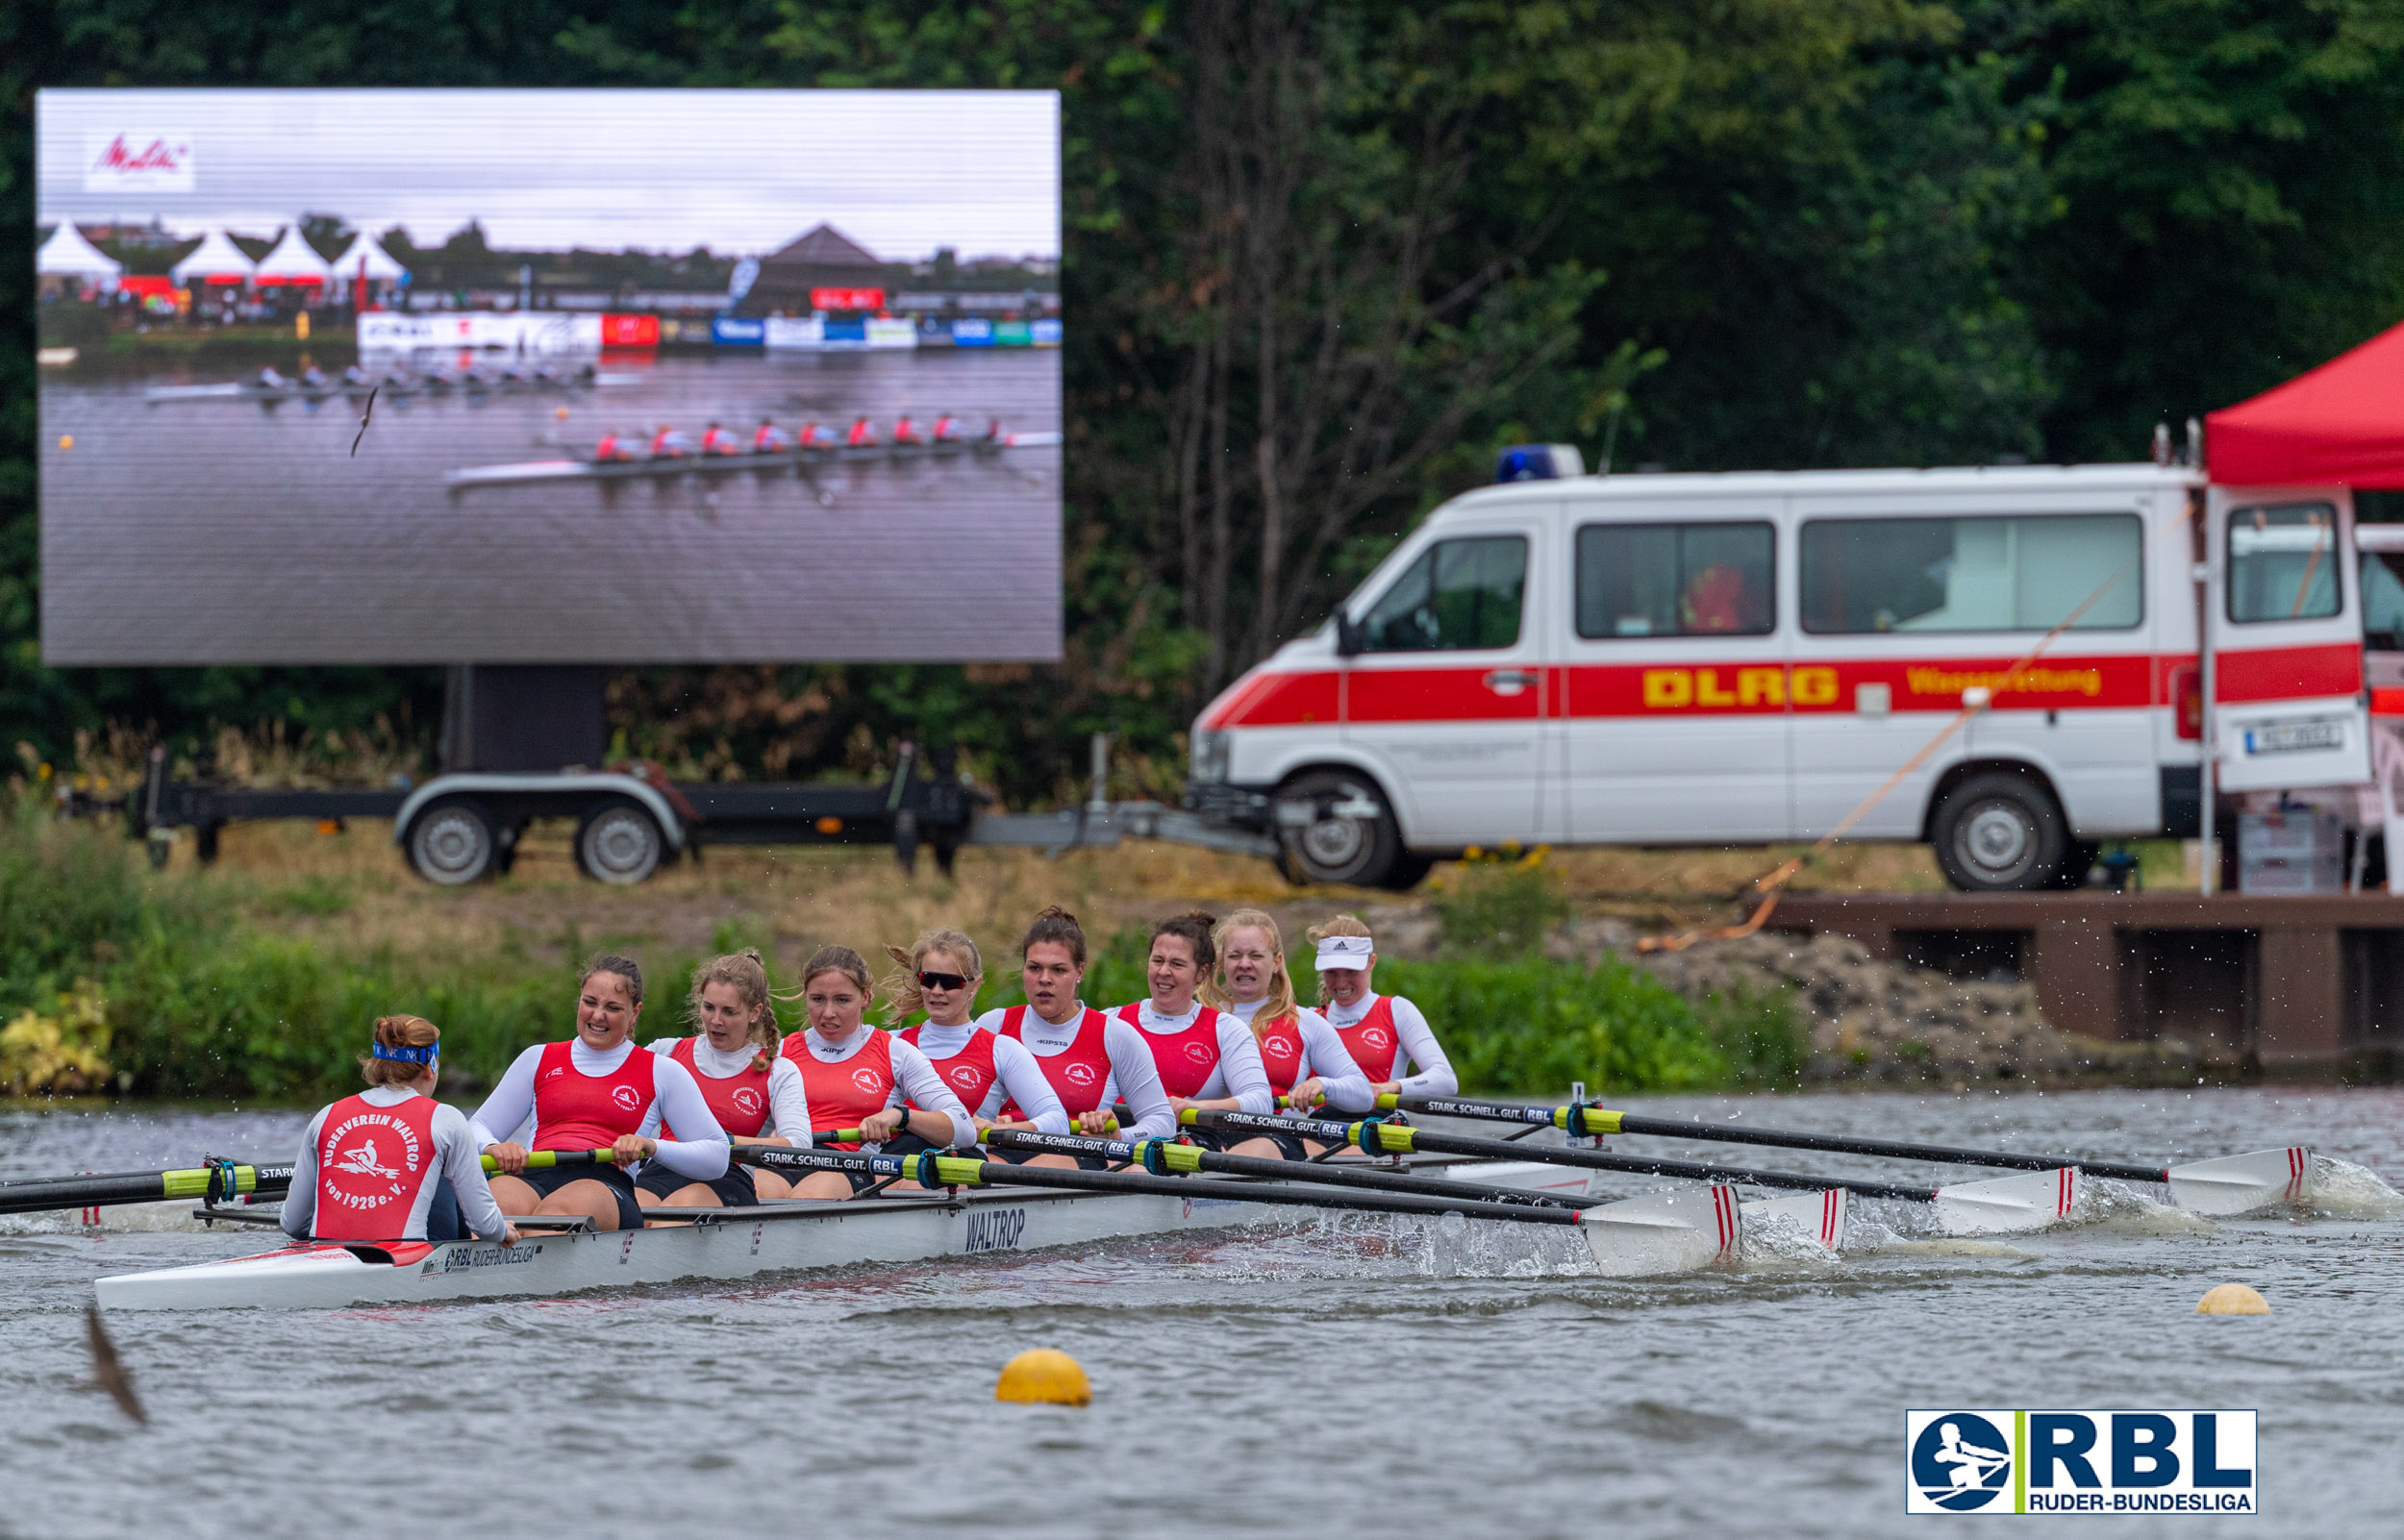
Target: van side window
2383	600
2282	562
2020	573
1458	594
1675	580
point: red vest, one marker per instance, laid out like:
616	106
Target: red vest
1281	1051
1186	1059
740	1101
1373	1041
842	1094
578	1111
1079	1073
372	1161
970	1072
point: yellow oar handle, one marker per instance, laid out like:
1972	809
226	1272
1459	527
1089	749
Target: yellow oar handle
1575	1118
196	1183
542	1159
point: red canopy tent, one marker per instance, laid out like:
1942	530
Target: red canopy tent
2341	423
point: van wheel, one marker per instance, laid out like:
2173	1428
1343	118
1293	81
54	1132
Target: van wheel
618	842
452	842
2000	833
1351	838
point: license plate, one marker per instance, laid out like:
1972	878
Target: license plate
2295	737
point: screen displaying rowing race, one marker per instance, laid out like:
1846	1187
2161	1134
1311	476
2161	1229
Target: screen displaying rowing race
549	376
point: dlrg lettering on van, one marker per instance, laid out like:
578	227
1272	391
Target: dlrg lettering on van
1745	658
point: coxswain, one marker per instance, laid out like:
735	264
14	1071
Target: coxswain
1093	1060
946	429
906	432
1206	1058
671	443
863	435
770	439
392	1164
596	1091
858	1077
611	447
1386	1034
1305	1060
941	973
755	1094
716	441
269	380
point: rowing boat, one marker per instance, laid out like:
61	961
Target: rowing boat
1659	1233
601	470
294	390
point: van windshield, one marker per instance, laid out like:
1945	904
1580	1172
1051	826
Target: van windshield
1458	594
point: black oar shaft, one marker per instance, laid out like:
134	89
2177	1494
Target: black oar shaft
1599	1119
1399	1140
210	1182
1235	1165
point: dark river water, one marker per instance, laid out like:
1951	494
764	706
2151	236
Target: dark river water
241	530
1411	1378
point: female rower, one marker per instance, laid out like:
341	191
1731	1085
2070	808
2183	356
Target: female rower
392	1164
597	1090
755	1094
1093	1060
941	974
1384	1033
1206	1058
770	439
1305	1060
859	1078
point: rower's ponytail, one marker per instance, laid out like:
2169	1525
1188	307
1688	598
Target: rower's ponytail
398	1032
747	973
904	997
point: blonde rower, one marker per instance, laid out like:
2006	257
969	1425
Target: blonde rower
1305	1060
754	1092
1386	1034
857	1077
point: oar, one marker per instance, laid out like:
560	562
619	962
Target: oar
2229	1185
1162	1157
1964	1208
1663	1233
214	1183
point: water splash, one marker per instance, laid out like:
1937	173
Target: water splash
2344	1190
1783	1240
2122	1209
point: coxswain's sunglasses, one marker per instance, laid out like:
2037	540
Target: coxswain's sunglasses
943	980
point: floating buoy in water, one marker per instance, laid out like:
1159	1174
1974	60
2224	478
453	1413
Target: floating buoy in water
1045	1375
2232	1299
66	440
561	413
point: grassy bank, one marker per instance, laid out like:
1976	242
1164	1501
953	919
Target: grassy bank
251	985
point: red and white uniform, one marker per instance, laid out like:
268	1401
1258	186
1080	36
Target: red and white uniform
1203	1055
867	1072
1093	1060
1302	1046
1384	1033
995	1076
369	1164
569	1095
863	435
716	441
752	1103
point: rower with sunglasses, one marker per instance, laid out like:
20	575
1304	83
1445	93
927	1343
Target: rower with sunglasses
943	971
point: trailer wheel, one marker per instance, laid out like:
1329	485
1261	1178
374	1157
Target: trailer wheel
1353	840
2000	832
618	842
452	842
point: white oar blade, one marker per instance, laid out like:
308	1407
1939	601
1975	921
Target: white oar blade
1663	1232
1819	1216
2241	1184
2031	1200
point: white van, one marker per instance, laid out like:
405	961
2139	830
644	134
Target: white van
1738	658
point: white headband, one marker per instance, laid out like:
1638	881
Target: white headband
1346	952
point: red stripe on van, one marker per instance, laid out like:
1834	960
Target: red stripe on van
1277	700
1439	695
2288	673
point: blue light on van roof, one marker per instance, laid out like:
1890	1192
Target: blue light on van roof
1539	463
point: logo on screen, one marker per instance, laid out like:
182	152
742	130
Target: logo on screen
138	163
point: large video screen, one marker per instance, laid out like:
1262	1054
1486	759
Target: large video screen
545	376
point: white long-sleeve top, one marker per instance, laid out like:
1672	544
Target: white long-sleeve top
1323	1054
913	1077
1434	1076
1237	1073
789	1105
1135	1077
1017	1077
458	1154
702	1157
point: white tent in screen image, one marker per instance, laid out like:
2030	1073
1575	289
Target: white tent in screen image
66	254
291	261
216	261
364	258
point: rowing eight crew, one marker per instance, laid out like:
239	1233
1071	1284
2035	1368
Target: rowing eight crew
1219	1030
718	442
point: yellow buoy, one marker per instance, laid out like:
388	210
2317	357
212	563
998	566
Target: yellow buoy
560	413
2232	1299
1045	1375
66	440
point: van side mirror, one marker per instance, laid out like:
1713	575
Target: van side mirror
1348	639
